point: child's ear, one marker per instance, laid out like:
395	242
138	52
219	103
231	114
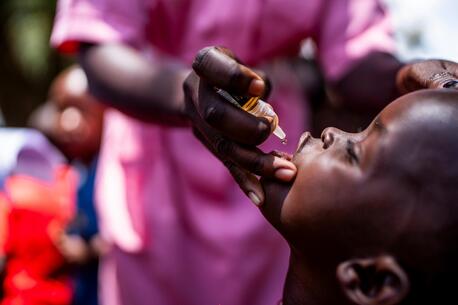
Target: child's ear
373	281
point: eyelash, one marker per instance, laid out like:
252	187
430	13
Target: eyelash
351	154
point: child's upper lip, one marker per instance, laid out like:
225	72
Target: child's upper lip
305	137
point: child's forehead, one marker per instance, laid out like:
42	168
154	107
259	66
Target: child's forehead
399	109
422	130
75	82
71	83
418	120
423	105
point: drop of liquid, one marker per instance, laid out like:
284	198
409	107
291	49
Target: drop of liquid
280	134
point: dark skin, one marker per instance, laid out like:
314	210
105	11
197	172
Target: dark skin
121	76
365	206
382	75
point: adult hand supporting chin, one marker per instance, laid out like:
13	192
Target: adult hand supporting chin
230	133
428	74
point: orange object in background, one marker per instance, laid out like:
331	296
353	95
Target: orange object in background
38	212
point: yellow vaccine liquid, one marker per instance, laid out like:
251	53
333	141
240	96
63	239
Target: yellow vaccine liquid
258	108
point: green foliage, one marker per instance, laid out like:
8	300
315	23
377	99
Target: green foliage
27	63
28	27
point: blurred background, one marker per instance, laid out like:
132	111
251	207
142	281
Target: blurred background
27	64
424	29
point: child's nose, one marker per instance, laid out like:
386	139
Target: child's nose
328	136
331	135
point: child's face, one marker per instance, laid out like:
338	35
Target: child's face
362	195
338	175
347	182
72	118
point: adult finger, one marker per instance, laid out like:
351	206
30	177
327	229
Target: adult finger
452	69
249	158
230	120
205	106
442	75
219	68
432	74
248	182
267	83
235	161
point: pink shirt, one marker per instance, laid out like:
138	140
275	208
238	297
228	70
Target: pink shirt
184	232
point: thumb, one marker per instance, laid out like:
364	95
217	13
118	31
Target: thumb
248	182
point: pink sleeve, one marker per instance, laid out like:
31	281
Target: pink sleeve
349	30
99	21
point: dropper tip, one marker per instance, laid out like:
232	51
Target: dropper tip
280	134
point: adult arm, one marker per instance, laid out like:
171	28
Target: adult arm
379	78
108	36
355	48
369	85
123	78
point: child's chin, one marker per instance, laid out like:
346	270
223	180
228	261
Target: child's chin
275	194
275	191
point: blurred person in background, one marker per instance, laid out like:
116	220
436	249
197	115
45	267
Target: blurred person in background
72	120
47	239
37	197
181	231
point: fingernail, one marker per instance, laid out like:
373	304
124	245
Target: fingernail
253	197
451	84
256	87
285	174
